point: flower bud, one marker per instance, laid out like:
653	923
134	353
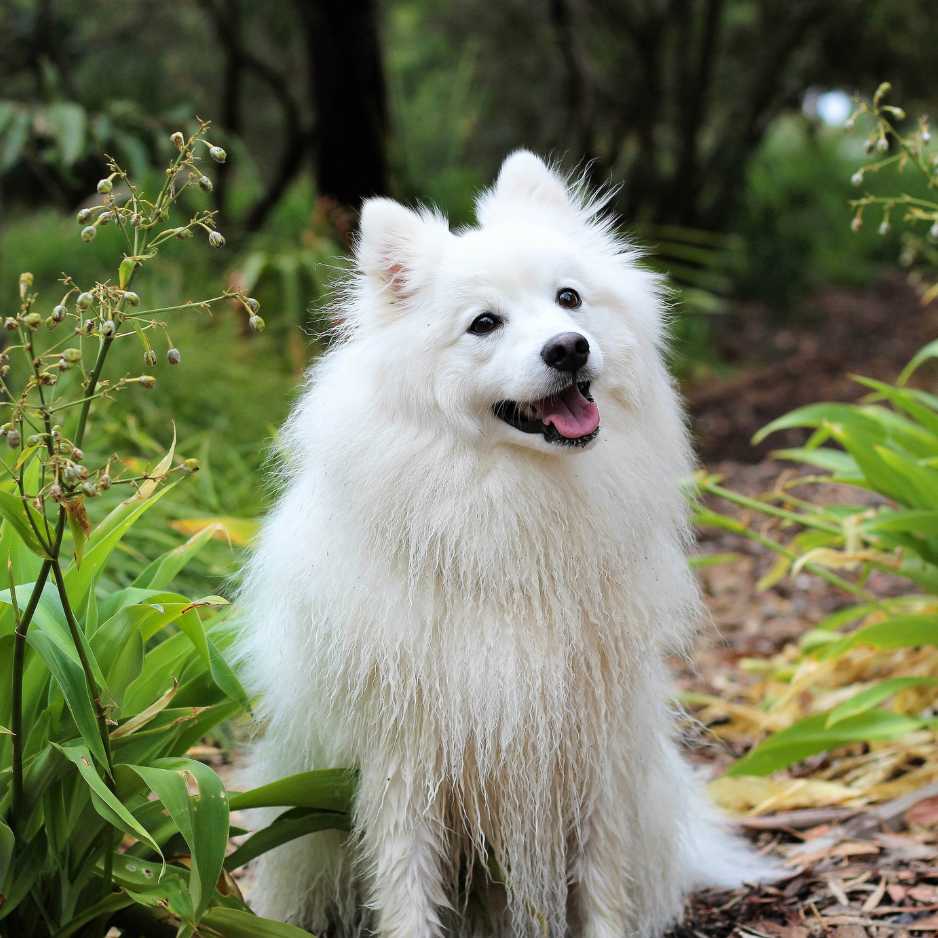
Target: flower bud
217	154
135	219
84	300
9	323
216	239
933	232
72	355
88	327
149	357
71	472
205	183
63	365
131	298
104	482
253	305
58	313
105	217
173	356
857	178
32	320
88	233
26	281
856	224
89	488
882	144
884	227
178	140
108	328
13	438
105	186
256	323
83	215
37	439
77	454
147	381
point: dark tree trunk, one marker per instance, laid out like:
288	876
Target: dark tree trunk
346	78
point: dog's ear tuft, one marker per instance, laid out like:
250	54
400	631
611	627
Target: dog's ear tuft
525	182
395	242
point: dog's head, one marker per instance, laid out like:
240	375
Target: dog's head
522	329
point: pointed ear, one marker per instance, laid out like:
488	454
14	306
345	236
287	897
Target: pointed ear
397	246
524	180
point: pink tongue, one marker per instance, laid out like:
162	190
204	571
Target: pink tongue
570	413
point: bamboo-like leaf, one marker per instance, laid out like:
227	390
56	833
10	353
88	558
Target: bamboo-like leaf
897	632
875	695
15	511
326	789
164	569
143	717
233	923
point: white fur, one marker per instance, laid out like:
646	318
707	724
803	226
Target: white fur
478	618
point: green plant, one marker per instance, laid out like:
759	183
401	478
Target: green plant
830	691
104	689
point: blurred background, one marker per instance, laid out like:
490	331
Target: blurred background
722	121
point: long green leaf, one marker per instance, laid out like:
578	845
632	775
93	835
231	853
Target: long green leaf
326	789
233	923
875	695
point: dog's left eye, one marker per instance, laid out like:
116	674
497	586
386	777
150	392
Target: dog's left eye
484	324
568	298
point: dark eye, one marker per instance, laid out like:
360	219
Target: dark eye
484	324
568	298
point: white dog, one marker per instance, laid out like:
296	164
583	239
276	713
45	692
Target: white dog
471	583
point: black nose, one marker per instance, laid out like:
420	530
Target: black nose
566	352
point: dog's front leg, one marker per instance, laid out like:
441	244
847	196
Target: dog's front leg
403	844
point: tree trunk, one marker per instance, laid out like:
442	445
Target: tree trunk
346	80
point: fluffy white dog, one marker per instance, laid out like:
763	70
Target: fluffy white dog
471	583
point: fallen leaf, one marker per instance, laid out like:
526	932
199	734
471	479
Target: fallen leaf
923	814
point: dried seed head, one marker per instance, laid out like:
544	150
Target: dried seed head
178	140
58	313
55	492
217	154
256	323
13	438
83	215
205	183
149	357
84	300
105	186
216	239
88	233
174	356
147	381
104	482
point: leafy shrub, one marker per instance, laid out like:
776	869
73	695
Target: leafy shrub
884	645
105	687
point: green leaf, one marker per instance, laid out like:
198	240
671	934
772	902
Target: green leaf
297	822
233	923
14	510
67	672
326	789
812	735
202	818
897	632
103	907
164	569
925	353
875	695
68	122
14	140
105	802
6	855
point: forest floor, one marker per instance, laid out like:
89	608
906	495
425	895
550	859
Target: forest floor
858	866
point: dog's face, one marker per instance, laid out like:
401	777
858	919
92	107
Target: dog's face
522	328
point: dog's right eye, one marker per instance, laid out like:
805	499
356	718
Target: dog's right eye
484	324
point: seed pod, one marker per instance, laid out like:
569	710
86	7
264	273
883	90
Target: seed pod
83	215
253	304
105	186
205	183
58	313
104	482
131	298
13	438
55	492
217	154
84	300
88	233
173	356
9	323
147	381
33	320
178	140
149	357
36	439
77	454
108	328
71	472
89	488
216	239
256	323
72	355
105	217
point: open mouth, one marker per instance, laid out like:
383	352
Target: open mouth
568	418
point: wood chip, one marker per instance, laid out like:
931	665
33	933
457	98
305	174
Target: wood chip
875	897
